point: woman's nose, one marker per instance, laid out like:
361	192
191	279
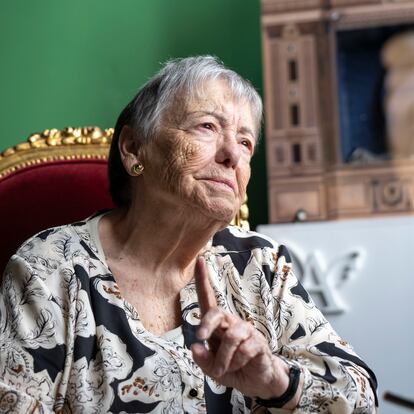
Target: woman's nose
228	152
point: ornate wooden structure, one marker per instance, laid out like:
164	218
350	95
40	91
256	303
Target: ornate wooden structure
307	176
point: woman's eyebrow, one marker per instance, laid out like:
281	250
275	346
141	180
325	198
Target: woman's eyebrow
247	130
220	117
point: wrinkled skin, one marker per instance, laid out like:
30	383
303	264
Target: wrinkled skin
200	143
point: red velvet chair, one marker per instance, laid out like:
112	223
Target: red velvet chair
54	178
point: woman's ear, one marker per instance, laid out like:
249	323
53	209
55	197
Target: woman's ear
129	148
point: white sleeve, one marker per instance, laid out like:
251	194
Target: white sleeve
336	380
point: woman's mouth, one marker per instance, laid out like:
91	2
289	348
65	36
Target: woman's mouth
224	183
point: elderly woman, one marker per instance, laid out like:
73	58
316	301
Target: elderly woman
158	305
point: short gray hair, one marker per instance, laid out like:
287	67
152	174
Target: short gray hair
178	77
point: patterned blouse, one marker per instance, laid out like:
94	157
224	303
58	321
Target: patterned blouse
70	343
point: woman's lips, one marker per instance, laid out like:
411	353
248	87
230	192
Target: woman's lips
225	183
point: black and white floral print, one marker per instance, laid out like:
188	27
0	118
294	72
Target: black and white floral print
70	343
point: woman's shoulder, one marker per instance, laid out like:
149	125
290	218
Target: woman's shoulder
58	243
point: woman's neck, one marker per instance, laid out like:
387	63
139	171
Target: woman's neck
151	252
159	239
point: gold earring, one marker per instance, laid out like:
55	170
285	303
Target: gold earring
137	169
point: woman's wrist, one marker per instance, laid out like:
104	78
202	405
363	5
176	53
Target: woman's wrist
285	388
279	381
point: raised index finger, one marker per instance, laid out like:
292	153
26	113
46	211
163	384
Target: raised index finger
205	293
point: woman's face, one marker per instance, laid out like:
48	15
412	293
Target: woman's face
201	155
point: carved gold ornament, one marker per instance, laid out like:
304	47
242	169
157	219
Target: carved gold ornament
242	217
53	145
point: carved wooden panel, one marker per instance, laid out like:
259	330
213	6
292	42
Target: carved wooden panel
276	96
272	6
294	81
375	15
347	3
393	195
292	129
349	196
305	171
364	191
289	196
278	157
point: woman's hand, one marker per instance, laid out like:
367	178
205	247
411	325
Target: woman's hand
238	355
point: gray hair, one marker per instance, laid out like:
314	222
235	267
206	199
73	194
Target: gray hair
178	77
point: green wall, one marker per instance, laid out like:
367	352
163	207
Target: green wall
77	63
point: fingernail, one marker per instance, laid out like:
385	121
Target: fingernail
219	372
202	333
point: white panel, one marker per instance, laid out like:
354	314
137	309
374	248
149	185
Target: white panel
378	295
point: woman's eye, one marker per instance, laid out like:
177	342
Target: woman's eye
246	143
208	125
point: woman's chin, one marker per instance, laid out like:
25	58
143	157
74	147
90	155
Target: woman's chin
219	208
220	212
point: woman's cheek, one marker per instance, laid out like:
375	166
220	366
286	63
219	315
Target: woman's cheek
178	153
195	156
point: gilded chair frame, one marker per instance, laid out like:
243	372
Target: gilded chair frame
53	144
